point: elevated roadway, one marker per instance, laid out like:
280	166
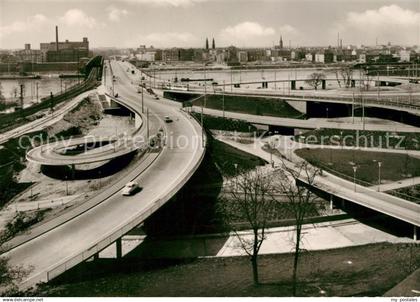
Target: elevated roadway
79	238
381	202
408	102
55	154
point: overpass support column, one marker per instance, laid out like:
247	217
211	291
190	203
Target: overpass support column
331	203
119	248
415	233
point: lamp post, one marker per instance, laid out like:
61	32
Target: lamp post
379	175
354	176
236	175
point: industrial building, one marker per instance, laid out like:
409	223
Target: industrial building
67	51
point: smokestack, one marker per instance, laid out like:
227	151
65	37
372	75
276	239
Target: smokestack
56	38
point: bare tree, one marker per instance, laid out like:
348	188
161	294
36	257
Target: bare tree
294	180
248	206
315	79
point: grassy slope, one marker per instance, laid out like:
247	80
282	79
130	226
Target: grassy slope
251	105
225	157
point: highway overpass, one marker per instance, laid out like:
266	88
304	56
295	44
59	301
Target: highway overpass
400	102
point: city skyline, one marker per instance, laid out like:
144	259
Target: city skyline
186	23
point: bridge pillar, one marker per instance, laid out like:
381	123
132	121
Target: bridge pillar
331	202
415	233
137	120
118	246
96	256
324	84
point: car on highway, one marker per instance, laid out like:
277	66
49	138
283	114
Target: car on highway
168	119
156	97
130	188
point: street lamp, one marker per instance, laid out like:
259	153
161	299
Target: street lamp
379	175
354	176
67	185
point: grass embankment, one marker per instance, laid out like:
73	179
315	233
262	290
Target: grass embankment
352	271
225	157
411	193
79	120
250	105
340	162
363	138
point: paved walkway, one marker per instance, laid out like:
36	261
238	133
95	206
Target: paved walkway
321	236
327	235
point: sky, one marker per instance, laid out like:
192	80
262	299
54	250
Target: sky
187	23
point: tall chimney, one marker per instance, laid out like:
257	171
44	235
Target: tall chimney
56	38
